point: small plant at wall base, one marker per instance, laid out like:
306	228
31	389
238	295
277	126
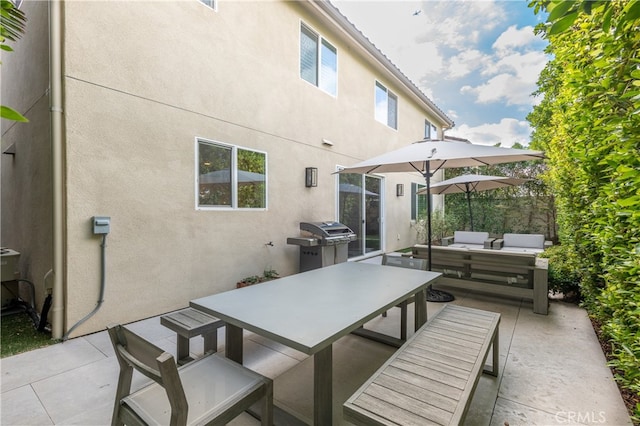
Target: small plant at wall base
267	275
564	277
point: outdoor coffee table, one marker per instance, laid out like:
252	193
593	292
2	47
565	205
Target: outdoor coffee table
311	310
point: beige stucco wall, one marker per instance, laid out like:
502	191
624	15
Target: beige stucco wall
143	80
26	176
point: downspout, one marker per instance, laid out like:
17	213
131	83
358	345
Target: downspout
55	96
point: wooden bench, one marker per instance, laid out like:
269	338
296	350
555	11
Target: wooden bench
432	377
188	323
504	273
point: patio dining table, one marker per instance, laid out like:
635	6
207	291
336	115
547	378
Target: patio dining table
309	311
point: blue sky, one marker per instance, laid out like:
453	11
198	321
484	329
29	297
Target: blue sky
477	60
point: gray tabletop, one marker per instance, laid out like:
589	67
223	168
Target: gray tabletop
311	310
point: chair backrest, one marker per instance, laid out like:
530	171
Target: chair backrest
524	240
404	262
470	237
134	352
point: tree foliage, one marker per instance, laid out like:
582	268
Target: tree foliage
12	25
589	126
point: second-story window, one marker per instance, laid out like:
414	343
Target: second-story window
318	61
429	130
386	106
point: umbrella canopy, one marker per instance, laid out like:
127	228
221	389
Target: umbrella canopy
470	183
441	154
429	156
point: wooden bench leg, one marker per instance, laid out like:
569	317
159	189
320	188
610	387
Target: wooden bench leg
183	348
420	313
496	353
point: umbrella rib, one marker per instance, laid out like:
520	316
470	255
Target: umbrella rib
480	161
439	167
417	169
372	169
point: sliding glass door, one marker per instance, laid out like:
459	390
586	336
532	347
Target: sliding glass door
360	208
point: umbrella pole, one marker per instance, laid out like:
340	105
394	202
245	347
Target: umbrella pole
432	295
427	176
469	204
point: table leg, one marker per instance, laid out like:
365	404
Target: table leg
233	343
403	320
323	387
420	309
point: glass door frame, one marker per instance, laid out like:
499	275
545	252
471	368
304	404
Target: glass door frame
363	208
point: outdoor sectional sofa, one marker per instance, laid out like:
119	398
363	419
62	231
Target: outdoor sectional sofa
508	273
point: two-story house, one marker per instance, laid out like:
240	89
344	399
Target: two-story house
191	125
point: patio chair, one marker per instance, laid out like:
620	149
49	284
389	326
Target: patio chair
210	390
404	262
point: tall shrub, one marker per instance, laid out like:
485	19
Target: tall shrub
589	126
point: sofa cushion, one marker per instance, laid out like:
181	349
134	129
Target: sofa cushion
534	241
469	237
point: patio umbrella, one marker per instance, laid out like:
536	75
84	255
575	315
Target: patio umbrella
427	157
470	183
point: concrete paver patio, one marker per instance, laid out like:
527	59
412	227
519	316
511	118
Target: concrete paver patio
552	371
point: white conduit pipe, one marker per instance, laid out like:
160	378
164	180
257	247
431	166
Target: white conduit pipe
55	83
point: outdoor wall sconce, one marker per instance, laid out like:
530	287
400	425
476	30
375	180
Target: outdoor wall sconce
310	177
400	190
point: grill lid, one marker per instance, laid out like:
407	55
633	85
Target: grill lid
328	230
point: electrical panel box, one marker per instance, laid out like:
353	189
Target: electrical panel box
101	225
9	262
9	273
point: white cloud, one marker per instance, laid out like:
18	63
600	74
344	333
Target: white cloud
466	62
456	45
509	72
515	79
501	88
526	66
507	132
514	38
419	59
449	23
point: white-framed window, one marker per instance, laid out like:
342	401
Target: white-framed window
318	61
429	130
210	3
386	106
229	176
418	202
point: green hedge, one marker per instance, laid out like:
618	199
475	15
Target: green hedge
589	126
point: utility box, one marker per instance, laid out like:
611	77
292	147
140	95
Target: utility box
9	261
9	273
101	225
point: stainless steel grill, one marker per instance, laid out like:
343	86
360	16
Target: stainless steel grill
322	244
